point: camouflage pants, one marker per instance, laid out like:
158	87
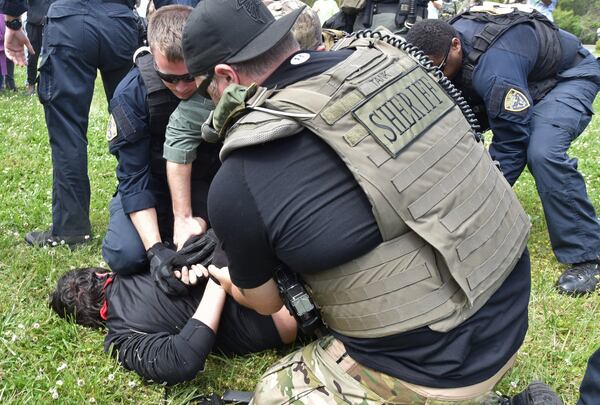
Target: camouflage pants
316	375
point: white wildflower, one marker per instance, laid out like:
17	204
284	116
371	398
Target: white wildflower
111	377
132	384
35	325
62	366
80	382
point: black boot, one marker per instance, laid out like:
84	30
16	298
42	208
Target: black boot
537	393
48	239
582	278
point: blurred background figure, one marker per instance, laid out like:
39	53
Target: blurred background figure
307	30
325	9
546	7
34	27
7	68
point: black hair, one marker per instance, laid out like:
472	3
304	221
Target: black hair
432	37
79	295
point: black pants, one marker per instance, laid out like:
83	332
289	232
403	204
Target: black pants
34	33
8	81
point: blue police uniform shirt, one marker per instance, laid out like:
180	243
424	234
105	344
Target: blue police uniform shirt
160	3
500	79
505	66
132	144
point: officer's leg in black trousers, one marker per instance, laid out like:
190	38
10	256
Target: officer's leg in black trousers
589	392
79	38
573	225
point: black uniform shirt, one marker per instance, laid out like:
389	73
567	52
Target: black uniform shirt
156	336
294	201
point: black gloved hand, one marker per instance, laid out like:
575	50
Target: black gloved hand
161	268
198	249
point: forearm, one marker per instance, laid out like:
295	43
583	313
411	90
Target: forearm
179	178
211	306
264	299
146	224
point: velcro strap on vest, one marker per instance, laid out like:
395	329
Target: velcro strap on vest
246	134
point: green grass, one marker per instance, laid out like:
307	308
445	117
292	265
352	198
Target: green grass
41	354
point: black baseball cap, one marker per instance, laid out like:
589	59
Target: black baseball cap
231	31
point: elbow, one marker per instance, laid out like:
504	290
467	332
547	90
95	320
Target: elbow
186	371
268	308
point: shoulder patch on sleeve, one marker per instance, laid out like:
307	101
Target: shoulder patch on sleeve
111	130
516	101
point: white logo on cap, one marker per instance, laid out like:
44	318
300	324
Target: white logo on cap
300	58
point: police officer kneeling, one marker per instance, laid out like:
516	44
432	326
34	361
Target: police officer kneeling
141	216
357	171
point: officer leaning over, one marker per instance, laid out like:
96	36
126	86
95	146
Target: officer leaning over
80	38
533	86
355	170
141	217
183	141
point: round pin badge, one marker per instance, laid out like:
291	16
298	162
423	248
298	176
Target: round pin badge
300	58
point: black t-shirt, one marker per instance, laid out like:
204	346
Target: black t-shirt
156	336
294	201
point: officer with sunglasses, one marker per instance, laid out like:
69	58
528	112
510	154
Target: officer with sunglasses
141	218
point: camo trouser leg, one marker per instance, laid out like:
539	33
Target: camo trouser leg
316	375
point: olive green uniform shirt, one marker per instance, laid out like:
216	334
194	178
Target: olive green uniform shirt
183	132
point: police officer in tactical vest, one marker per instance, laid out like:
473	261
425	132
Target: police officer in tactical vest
141	217
533	85
358	171
395	15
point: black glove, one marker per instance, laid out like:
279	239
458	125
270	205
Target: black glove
161	268
198	249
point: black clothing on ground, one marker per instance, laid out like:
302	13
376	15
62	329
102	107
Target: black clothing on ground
156	336
294	201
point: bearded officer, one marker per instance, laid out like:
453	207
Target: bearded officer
141	217
355	170
533	86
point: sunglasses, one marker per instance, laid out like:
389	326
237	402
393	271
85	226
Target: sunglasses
203	87
444	61
173	79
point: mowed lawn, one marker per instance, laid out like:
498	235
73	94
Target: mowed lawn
45	359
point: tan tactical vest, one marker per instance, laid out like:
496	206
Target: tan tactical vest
452	226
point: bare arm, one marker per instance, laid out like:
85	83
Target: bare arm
146	224
14	41
185	224
264	299
210	308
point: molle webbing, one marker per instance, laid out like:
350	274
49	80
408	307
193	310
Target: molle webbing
161	101
161	104
452	227
549	53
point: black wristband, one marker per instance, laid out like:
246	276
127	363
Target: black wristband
15	24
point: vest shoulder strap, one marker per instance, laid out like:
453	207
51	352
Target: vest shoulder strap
496	25
161	101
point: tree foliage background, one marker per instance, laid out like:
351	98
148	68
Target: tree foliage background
579	17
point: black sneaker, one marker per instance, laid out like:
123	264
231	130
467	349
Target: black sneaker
46	238
580	279
537	393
